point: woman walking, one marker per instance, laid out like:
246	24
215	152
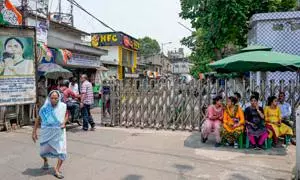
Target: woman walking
53	132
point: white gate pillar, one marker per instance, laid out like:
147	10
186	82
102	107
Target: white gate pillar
298	143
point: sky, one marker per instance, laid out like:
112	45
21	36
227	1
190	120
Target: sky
157	19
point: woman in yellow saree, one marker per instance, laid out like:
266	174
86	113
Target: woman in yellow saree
273	121
233	122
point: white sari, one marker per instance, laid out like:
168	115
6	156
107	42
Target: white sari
53	137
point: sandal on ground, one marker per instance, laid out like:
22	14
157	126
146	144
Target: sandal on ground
59	176
45	166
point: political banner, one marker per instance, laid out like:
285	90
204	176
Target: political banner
17	66
9	14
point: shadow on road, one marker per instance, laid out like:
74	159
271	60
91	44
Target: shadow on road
237	176
194	141
133	177
182	170
36	172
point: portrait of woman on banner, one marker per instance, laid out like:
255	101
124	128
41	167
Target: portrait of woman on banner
17	56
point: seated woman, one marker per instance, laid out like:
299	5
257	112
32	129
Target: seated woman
233	122
273	121
213	121
255	125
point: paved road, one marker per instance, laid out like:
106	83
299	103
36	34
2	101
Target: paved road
133	154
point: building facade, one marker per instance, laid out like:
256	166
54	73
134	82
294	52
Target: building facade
279	31
180	64
122	52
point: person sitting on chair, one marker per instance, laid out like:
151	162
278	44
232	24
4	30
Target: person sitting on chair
274	122
286	110
68	99
213	121
255	125
233	122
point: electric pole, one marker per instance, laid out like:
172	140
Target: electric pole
72	17
59	11
23	11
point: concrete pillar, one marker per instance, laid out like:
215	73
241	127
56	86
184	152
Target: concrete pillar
298	143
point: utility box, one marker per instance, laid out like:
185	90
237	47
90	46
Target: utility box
279	31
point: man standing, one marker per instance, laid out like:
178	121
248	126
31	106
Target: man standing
87	99
286	110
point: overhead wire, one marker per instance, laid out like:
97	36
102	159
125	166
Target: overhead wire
90	14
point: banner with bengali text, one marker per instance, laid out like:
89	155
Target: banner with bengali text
17	66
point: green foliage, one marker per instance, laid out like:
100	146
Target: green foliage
222	26
148	47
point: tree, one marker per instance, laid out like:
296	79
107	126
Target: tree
222	26
148	47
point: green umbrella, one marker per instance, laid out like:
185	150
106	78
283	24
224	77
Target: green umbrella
256	48
257	61
58	72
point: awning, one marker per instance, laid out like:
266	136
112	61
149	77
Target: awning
75	47
77	60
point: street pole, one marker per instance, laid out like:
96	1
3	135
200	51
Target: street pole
298	143
24	8
59	11
72	17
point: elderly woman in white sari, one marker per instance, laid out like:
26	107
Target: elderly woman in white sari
53	131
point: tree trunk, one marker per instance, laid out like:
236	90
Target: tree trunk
218	53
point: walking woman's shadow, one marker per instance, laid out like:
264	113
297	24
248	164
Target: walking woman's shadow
37	172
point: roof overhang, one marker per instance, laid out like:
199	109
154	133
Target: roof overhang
81	48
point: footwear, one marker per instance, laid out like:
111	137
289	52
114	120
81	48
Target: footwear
78	122
253	146
59	176
293	141
236	145
84	129
93	127
257	148
262	147
45	166
203	140
218	145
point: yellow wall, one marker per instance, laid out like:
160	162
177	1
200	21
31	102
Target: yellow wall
120	70
120	62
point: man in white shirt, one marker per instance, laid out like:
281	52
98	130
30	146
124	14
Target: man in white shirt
74	85
286	110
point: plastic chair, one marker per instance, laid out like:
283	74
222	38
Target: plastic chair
241	141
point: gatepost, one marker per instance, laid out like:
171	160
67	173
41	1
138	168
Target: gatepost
298	143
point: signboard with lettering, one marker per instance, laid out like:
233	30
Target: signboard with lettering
115	39
81	60
17	62
41	29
